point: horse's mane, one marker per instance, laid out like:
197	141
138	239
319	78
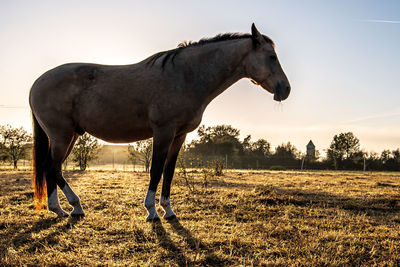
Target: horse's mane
170	54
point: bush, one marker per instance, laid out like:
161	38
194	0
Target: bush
277	168
218	167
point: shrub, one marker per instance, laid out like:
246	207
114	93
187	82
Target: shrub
277	168
218	167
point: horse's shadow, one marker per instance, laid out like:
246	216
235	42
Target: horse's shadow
165	241
21	239
374	207
194	244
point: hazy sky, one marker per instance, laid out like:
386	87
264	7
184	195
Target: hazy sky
341	57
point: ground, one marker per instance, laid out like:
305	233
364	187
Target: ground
240	218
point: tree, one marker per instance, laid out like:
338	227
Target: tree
246	144
373	161
285	155
3	153
261	147
391	159
133	155
141	151
85	150
217	142
396	155
344	146
286	151
255	154
385	156
14	143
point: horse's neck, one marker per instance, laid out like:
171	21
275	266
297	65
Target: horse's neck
214	67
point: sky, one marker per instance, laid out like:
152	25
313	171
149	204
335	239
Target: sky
341	58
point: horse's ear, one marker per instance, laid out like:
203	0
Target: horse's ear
256	36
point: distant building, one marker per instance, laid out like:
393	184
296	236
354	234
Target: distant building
310	150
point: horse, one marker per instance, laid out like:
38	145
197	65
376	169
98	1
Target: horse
163	97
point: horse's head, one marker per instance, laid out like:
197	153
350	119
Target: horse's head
262	66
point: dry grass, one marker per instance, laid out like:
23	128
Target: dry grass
249	218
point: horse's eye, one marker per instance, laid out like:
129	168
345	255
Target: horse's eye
273	58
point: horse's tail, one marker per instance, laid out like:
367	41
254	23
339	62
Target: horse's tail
39	155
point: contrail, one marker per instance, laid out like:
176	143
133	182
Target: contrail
374	117
382	21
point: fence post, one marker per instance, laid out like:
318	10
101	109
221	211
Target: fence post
365	166
113	160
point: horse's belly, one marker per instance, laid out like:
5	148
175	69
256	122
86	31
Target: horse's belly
115	120
115	134
117	126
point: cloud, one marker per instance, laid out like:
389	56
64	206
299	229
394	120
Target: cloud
381	21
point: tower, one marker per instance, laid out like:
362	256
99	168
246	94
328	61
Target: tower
310	150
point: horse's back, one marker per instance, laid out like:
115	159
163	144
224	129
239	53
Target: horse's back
114	103
110	102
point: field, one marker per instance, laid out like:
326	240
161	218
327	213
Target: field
239	219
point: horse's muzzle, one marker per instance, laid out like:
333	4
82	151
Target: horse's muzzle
282	91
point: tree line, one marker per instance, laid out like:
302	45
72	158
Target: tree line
221	144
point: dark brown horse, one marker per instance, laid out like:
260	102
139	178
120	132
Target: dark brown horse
163	97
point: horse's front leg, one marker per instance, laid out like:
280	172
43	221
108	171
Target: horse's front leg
168	175
161	143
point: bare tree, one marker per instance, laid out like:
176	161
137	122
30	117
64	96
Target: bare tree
133	155
85	150
14	143
141	152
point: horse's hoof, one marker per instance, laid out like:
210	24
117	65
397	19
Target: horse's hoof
171	218
77	215
62	215
60	212
153	219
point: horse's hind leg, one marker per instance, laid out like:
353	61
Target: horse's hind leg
168	174
59	148
72	198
